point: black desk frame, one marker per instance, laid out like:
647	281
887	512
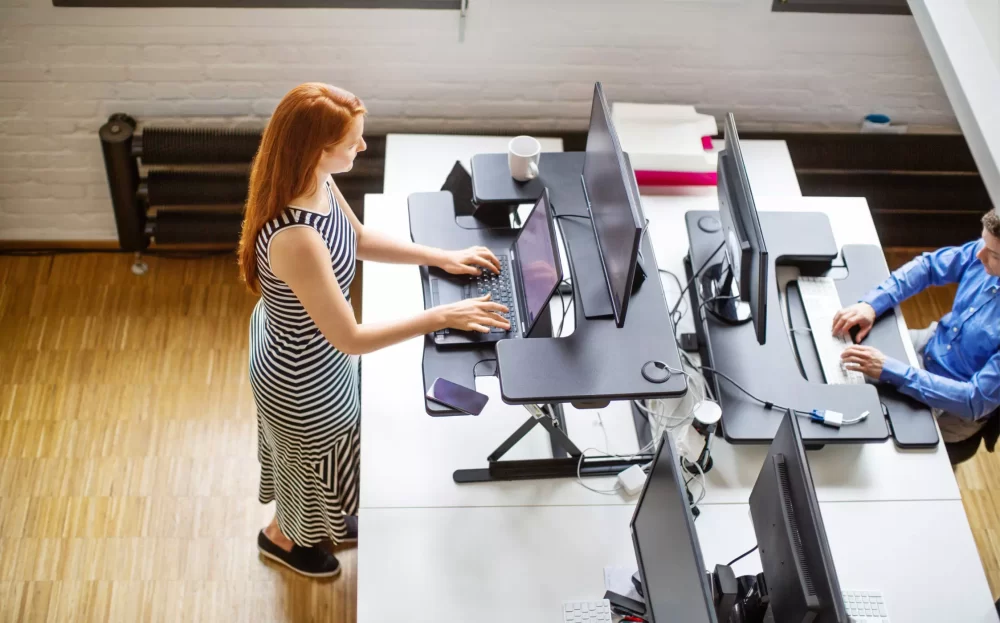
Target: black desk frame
541	369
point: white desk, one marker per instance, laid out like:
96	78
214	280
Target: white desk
432	550
494	565
421	452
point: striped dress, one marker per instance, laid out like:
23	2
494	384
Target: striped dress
307	393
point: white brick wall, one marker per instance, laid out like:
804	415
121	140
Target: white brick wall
524	63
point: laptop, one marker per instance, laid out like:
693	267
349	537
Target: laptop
530	272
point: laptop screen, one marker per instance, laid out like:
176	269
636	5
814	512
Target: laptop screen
538	260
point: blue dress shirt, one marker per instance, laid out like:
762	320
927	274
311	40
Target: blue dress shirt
961	372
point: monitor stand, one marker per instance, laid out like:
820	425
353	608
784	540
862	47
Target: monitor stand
721	293
740	599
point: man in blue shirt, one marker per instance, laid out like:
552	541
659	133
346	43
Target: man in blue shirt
959	373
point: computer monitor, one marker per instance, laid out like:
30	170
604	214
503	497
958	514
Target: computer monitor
801	580
674	579
745	259
613	202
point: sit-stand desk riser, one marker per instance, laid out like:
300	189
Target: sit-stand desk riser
598	363
771	371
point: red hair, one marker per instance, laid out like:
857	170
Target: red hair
310	118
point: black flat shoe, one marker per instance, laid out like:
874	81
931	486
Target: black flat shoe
312	562
352	529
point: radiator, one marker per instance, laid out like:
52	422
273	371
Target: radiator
196	181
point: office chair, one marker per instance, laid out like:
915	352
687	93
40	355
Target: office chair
962	451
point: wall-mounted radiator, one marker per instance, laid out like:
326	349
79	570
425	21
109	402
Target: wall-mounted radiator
195	182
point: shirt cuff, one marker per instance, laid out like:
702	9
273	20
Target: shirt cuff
894	371
879	300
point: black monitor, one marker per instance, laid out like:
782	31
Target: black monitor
745	252
801	580
613	202
674	580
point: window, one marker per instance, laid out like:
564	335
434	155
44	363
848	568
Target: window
887	7
454	5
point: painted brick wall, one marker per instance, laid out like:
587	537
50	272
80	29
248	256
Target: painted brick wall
524	63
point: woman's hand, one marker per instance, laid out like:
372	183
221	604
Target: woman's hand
476	314
469	261
860	314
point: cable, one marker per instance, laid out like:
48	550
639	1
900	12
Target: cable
583	216
579	477
742	556
823	416
766	403
720	297
565	308
660	421
679	289
860	418
607	442
704	484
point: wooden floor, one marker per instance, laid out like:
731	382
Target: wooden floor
979	477
128	470
128	466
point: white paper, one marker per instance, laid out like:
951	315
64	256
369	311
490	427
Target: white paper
619	580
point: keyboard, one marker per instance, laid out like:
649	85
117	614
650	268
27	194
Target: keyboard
500	289
822	302
587	611
865	607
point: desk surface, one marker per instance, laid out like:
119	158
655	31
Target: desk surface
520	563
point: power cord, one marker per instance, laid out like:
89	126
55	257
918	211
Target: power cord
742	556
829	418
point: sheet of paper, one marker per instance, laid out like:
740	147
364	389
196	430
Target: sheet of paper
619	580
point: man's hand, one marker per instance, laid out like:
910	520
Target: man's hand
860	314
864	359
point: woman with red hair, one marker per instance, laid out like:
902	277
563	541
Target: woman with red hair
298	248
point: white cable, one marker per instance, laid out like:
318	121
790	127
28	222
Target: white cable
579	477
607	443
660	421
704	484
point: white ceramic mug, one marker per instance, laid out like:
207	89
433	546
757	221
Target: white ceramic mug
523	154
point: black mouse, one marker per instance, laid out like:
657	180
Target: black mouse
854	333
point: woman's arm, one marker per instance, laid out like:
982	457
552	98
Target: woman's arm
376	246
299	257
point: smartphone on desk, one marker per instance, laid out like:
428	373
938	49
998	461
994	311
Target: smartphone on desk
457	396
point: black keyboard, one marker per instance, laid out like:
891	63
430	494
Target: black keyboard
499	287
